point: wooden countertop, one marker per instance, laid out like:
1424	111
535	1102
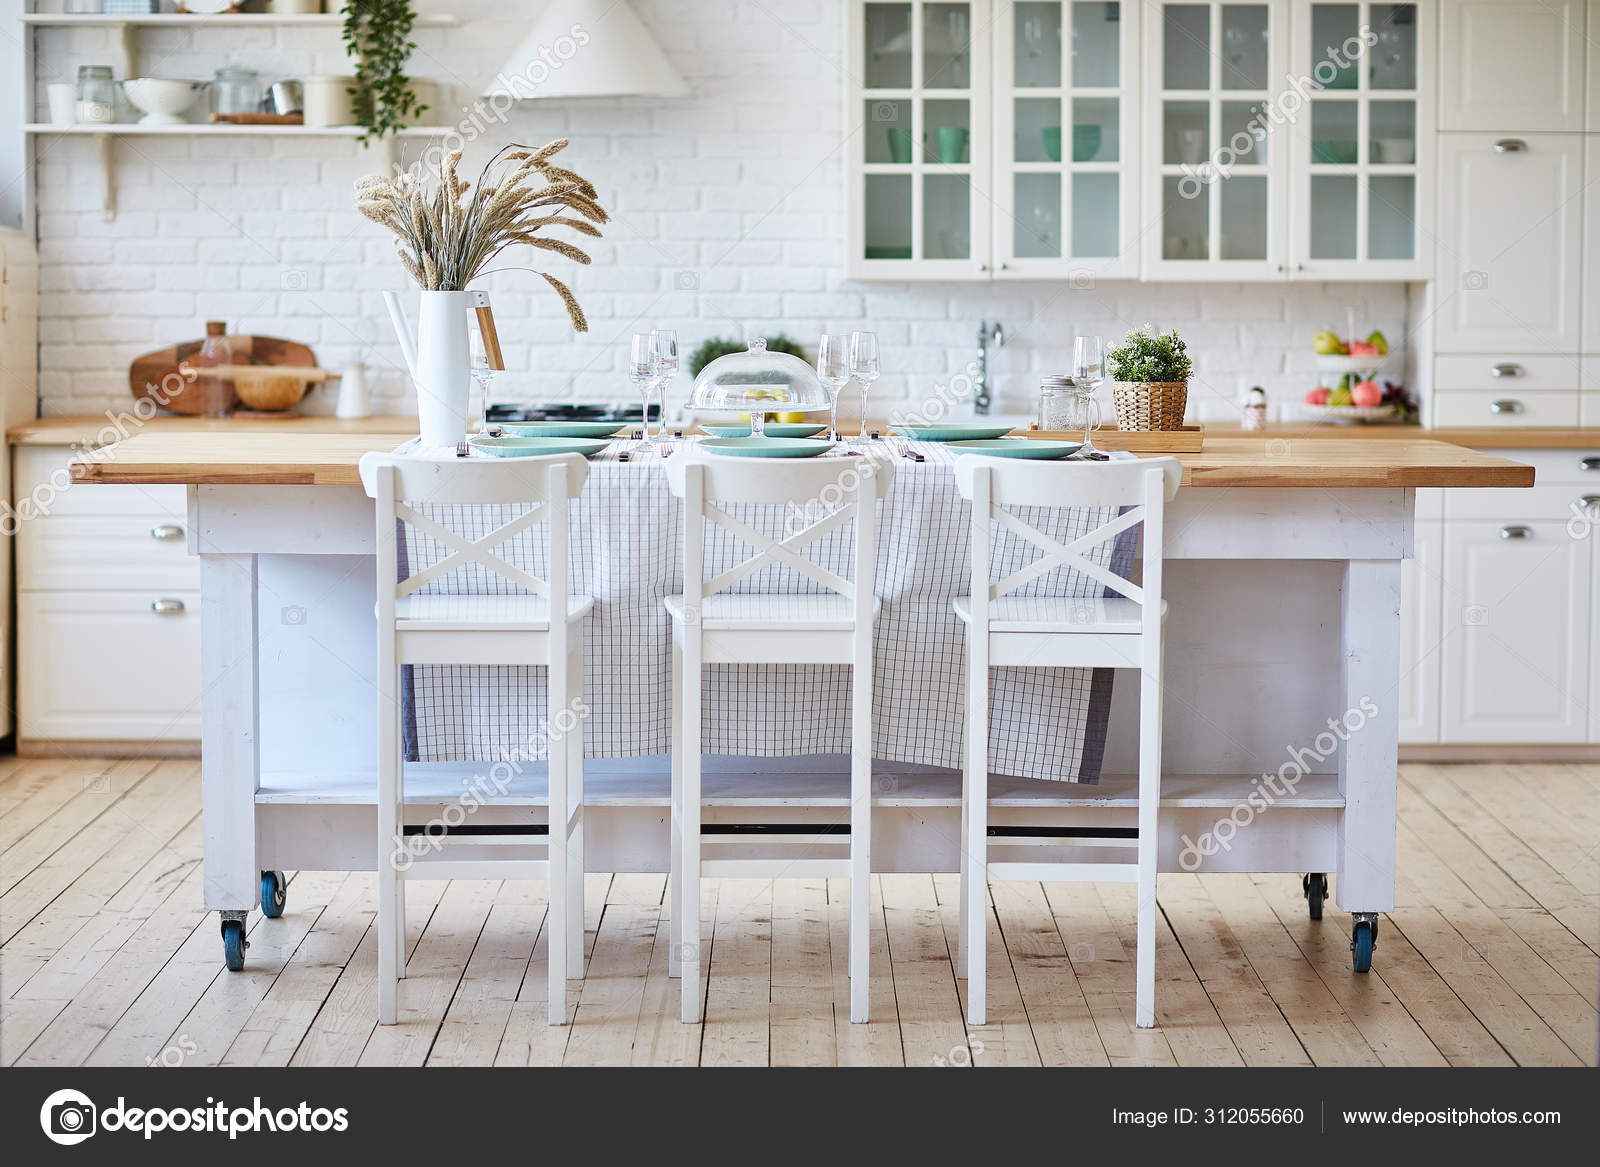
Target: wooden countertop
95	429
1476	437
261	457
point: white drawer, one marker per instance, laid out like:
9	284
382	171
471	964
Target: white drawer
1429	503
1510	373
1535	504
93	553
41	474
1579	467
106	666
1512	409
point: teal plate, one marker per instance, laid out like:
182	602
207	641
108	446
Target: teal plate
951	432
539	447
561	429
767	447
1020	448
775	429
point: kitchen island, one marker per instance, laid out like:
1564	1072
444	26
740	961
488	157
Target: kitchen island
1282	667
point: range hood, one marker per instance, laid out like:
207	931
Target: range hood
587	48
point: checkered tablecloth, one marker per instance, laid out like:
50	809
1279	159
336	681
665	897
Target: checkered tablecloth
626	540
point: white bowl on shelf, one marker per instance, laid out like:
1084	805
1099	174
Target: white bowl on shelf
162	102
1345	414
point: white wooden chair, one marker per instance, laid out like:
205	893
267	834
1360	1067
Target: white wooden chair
481	629
710	627
1007	630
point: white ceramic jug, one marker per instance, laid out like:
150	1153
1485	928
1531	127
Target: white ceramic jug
440	358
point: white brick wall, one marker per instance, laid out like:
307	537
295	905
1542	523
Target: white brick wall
729	220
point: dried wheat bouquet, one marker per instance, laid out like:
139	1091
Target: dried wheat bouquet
447	231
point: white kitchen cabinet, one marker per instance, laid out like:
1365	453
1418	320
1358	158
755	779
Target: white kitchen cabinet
1421	598
1591	251
108	666
917	106
1510	243
1216	177
1510	66
108	617
1361	148
1518	600
1066	139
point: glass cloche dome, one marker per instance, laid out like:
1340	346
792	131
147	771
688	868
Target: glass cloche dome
757	382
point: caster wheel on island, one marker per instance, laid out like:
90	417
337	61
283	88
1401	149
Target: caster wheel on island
1363	939
1315	886
274	893
233	944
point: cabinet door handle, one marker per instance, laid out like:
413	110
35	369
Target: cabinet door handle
1508	369
166	532
167	607
1588	502
1516	531
1505	407
1510	146
1590	463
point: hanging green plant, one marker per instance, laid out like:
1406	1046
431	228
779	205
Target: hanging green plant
377	36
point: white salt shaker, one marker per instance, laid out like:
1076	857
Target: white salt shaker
354	400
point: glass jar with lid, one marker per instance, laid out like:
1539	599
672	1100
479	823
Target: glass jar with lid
757	382
97	94
1055	402
236	90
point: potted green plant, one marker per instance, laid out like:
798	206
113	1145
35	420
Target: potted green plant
377	36
1150	380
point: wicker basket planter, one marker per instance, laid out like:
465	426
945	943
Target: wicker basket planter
1150	405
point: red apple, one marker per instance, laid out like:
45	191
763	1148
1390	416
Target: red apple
1366	393
1361	348
1318	396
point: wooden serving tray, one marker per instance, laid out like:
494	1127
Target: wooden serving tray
156	374
1190	439
260	119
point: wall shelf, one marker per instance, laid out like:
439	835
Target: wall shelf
190	19
218	129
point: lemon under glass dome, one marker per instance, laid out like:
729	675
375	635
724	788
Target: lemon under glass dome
757	382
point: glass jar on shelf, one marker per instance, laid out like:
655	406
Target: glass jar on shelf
97	95
236	90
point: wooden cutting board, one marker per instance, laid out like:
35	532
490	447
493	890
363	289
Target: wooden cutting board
156	375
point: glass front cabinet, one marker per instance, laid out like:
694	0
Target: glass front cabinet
1190	140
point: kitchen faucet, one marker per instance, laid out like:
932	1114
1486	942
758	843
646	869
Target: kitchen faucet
980	387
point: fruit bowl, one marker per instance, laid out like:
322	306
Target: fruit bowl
163	102
1356	366
1345	414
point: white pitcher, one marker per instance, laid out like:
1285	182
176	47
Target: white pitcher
439	356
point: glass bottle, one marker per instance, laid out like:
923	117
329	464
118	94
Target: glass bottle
212	389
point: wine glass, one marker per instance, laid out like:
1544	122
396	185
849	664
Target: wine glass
484	376
1086	373
833	370
667	361
864	367
644	371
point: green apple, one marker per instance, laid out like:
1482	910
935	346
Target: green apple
1327	344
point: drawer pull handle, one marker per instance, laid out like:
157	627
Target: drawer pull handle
1510	146
1505	407
1508	370
1589	464
166	607
166	532
1589	502
1516	532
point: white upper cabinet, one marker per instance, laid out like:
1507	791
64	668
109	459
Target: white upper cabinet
1591	251
1511	66
1510	253
1361	141
1593	117
1215	175
1066	139
920	139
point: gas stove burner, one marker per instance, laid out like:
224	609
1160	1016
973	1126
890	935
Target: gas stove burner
570	411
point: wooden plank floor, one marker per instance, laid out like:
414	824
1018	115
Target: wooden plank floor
1489	958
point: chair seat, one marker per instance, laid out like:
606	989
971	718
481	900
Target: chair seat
482	613
734	612
1071	614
